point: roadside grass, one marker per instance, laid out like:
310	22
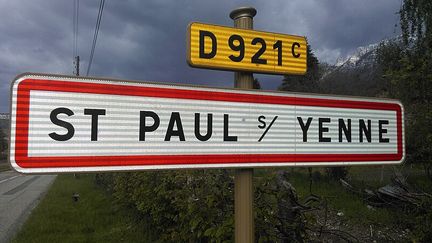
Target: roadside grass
421	182
94	218
97	218
352	206
4	167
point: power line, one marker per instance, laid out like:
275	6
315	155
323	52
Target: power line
95	36
77	26
74	22
75	37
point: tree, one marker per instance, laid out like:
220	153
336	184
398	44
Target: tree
416	24
307	82
256	84
408	66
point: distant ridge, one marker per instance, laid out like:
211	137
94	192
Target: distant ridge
4	121
358	73
4	116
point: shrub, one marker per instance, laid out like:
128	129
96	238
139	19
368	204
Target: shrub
336	173
198	205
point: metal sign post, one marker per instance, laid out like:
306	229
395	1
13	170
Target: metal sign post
243	180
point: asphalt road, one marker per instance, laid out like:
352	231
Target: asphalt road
19	194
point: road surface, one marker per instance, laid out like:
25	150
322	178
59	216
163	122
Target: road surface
19	194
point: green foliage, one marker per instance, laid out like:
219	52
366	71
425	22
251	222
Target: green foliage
277	217
179	206
198	205
94	218
420	220
256	84
416	23
408	67
336	173
422	231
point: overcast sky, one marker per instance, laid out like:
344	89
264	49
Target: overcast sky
146	40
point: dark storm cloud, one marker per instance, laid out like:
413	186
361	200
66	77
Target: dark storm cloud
343	26
145	40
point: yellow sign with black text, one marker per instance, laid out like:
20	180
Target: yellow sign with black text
226	48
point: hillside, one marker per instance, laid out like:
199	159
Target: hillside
4	121
357	74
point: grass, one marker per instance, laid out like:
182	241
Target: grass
4	167
352	206
94	218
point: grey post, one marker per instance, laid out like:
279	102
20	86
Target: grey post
243	183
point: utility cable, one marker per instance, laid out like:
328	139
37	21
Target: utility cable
95	36
75	36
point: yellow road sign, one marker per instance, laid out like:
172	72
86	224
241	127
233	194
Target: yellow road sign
219	47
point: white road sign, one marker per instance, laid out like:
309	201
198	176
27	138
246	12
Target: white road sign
74	124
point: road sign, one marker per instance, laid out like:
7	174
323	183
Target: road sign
74	124
219	47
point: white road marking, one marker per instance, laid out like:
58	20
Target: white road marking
8	179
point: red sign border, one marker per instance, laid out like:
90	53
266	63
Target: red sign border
35	83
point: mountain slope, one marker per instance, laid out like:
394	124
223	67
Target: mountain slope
357	74
4	121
